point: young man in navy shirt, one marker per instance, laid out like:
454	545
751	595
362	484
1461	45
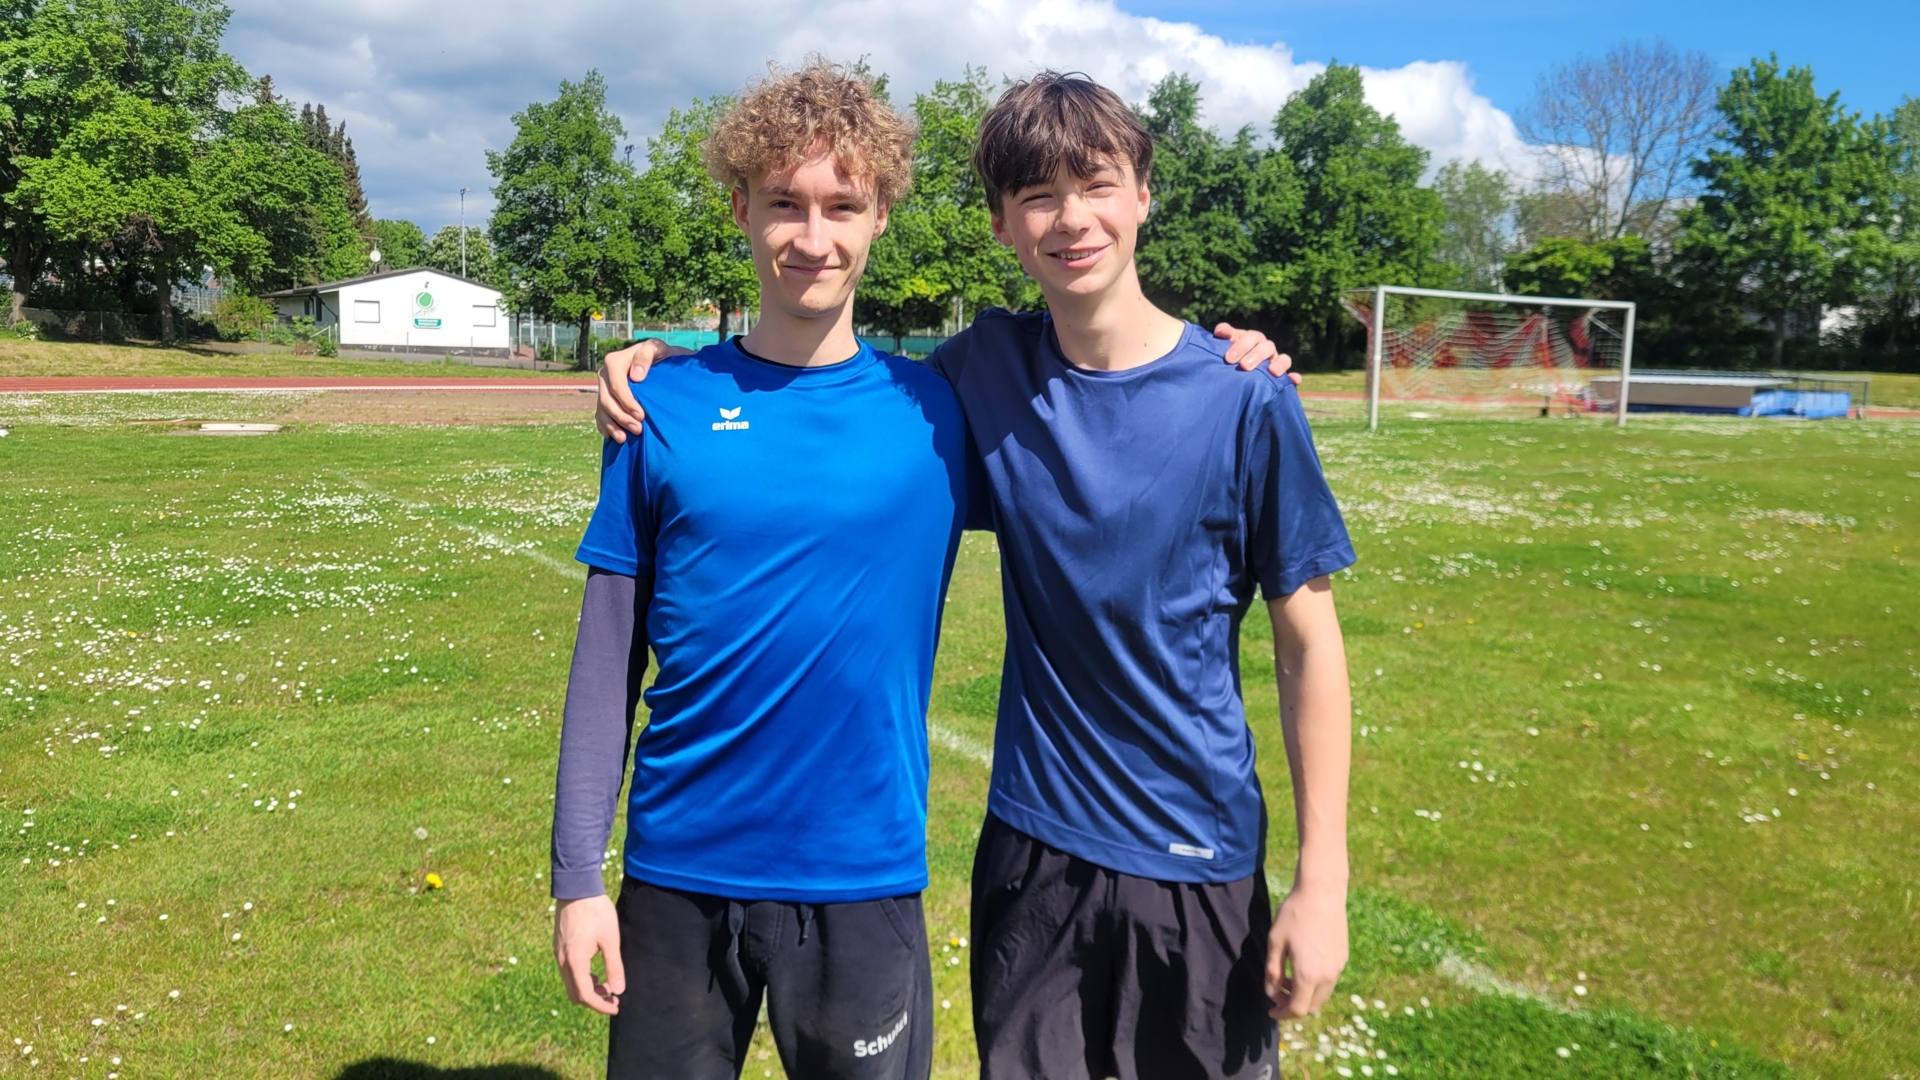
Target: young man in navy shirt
1142	492
776	830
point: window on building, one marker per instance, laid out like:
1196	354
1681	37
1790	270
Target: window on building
366	311
484	314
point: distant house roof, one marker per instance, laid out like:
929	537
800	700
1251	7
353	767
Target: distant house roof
335	286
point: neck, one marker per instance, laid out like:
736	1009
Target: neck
1117	329
803	340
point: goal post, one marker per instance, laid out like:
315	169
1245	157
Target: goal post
1453	342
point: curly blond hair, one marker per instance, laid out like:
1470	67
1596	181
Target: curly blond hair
778	121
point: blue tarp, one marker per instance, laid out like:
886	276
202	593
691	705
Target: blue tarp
1804	404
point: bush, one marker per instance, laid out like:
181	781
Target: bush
24	330
238	317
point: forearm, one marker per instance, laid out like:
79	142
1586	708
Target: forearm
1317	725
603	689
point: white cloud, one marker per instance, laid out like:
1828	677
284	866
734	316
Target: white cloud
426	87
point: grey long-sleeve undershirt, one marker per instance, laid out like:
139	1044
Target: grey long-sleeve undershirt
596	733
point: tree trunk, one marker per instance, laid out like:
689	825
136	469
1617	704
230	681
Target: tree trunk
1779	335
23	263
723	321
583	348
166	313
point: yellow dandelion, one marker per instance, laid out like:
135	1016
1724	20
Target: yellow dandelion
433	880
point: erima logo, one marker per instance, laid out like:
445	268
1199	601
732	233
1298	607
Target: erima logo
729	421
868	1048
1190	851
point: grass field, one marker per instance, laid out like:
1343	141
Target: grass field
46	359
1637	787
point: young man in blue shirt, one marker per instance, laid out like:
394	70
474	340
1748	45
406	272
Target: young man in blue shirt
776	830
1142	492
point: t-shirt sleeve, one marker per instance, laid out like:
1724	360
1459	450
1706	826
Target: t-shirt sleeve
1294	528
615	539
945	357
979	491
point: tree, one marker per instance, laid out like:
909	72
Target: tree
402	245
578	229
260	168
1793	199
1198	255
1361	216
717	264
938	252
443	254
1474	241
333	142
129	180
1596	269
1891	315
61	63
1618	133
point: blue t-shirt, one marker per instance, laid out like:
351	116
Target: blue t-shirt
799	527
1137	511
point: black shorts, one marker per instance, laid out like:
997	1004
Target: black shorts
1081	973
848	987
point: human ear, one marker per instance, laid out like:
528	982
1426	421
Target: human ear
880	220
739	197
1000	231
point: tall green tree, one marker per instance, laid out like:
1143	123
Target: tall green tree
1361	218
1594	269
938	254
130	180
1892	307
333	142
1199	255
1793	198
443	254
293	197
716	262
402	245
577	227
62	63
1476	236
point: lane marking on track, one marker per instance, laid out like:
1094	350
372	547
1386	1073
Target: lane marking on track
570	570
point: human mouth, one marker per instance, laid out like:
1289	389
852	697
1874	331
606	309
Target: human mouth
1074	258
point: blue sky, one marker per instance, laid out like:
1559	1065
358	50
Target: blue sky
428	86
1870	51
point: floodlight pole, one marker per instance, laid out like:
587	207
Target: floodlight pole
1626	366
463	232
1376	335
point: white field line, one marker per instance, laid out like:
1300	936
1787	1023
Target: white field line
1461	971
964	745
569	570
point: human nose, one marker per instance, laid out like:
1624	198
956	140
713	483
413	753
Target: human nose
813	242
1075	215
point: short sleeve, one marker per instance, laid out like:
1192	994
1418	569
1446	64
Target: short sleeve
1294	529
614	540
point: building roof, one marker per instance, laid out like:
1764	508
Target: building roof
336	286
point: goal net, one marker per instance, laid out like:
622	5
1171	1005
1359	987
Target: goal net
1491	349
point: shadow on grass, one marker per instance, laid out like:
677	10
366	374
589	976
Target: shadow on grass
396	1069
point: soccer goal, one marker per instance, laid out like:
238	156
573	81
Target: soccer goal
1490	349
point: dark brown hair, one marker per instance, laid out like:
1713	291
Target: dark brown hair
1052	122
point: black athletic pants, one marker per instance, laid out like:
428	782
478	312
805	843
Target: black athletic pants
848	987
1082	973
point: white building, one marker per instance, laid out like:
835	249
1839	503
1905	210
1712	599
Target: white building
415	310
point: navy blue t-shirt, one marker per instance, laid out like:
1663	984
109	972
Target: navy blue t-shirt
799	527
1137	512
